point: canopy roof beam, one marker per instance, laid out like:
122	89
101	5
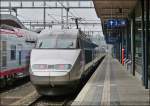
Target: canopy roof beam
106	9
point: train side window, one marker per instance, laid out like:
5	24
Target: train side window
13	52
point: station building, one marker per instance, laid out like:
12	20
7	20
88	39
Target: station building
126	25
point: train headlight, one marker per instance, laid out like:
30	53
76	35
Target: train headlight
39	66
62	66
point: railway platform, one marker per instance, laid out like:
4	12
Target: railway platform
112	85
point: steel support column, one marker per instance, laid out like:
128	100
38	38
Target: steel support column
123	37
122	41
143	42
127	41
146	43
133	43
120	44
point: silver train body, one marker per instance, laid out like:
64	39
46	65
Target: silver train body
58	62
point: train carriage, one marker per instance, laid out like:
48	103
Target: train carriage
15	47
59	59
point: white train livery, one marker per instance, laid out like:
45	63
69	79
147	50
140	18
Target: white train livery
57	64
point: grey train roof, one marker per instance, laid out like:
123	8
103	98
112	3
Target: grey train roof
66	33
71	33
11	20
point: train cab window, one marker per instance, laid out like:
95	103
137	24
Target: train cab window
56	43
65	43
46	43
13	52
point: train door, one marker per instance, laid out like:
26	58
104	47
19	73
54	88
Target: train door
19	57
4	54
19	54
3	61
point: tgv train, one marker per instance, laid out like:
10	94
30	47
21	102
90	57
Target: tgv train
15	47
57	64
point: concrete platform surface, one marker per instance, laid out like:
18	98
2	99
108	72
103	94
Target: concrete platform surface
112	85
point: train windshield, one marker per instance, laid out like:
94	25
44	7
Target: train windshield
56	43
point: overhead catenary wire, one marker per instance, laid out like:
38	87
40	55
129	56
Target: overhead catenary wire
71	12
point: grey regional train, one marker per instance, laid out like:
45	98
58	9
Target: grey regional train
57	64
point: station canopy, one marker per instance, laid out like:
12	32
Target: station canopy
119	9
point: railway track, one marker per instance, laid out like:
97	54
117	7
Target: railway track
26	95
54	101
16	84
62	100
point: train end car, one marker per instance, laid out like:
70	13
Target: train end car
58	61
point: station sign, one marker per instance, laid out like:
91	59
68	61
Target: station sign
115	23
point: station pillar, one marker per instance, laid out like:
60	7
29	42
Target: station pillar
145	41
128	42
133	43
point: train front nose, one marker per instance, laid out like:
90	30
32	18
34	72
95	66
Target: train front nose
52	66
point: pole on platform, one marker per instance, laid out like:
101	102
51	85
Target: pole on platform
123	56
143	42
133	43
146	43
120	33
127	41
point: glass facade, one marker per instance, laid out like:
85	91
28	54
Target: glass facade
138	47
138	40
142	41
